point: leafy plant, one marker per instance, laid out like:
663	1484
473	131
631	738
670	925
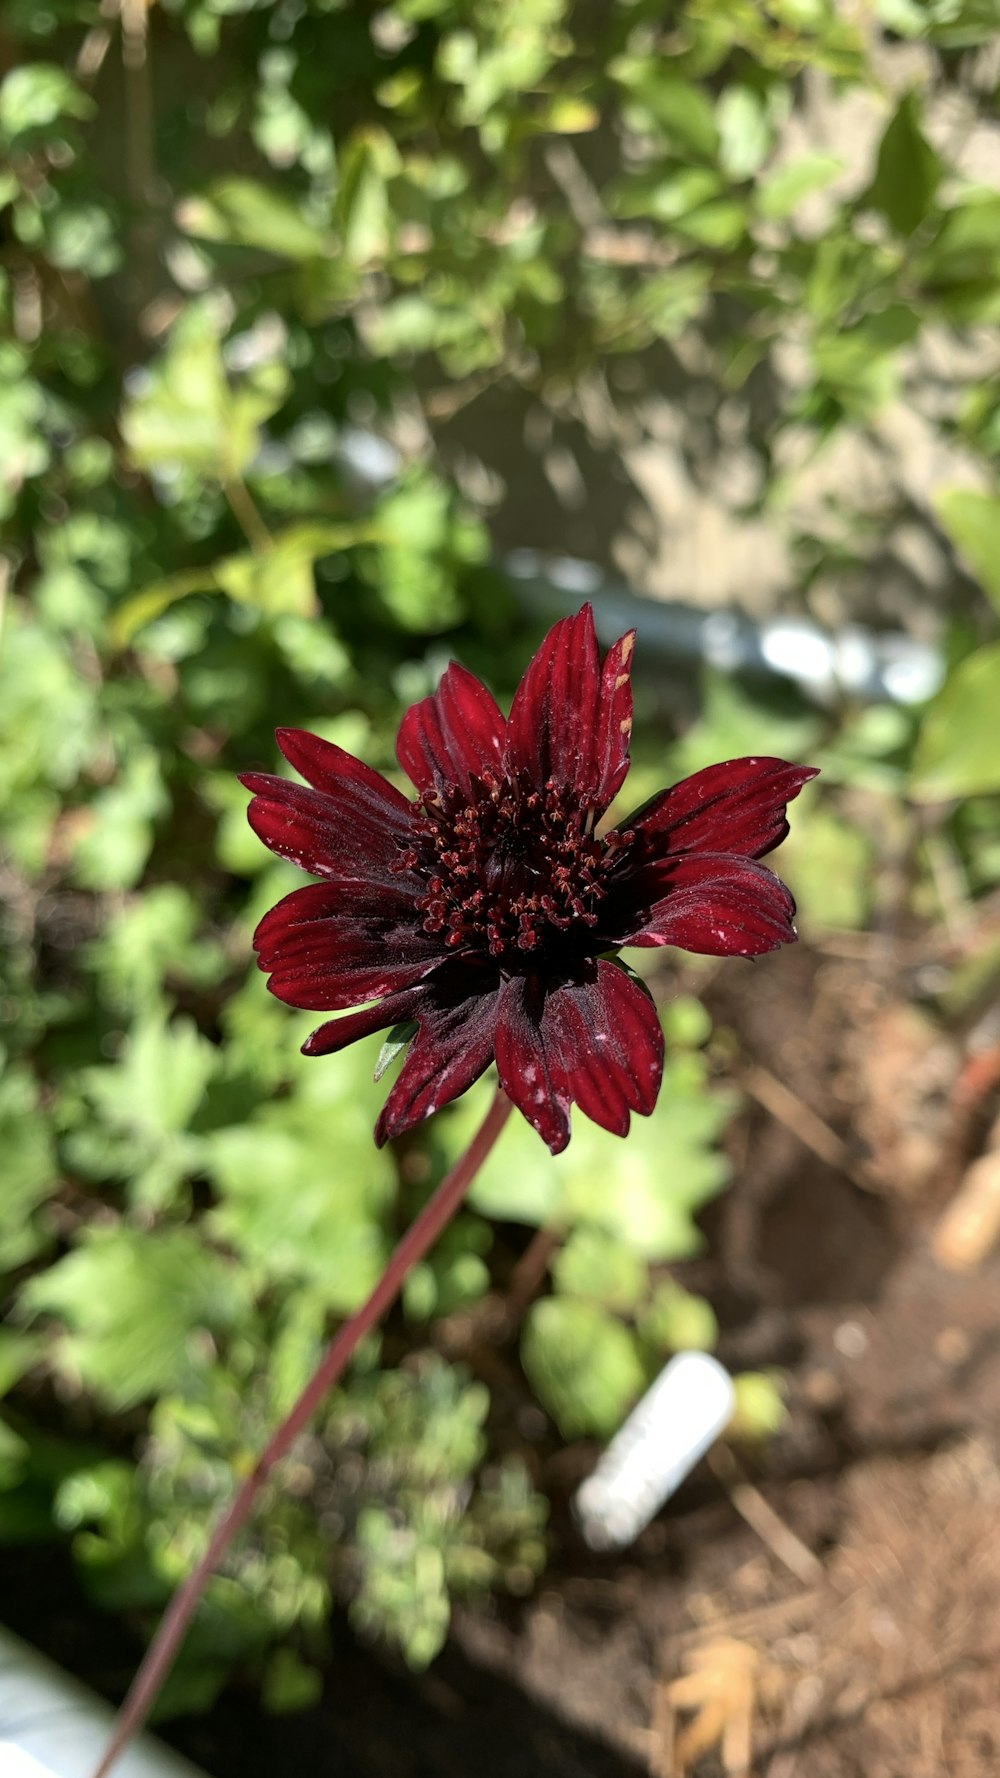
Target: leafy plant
232	495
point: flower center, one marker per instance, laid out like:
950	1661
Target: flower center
512	870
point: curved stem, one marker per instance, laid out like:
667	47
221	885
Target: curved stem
247	514
416	1242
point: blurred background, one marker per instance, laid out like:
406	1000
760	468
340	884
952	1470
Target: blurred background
337	340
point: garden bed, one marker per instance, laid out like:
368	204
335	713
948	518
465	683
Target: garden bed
843	1578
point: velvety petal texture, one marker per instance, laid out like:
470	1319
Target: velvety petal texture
570	722
348	827
483	909
395	1009
453	737
321	957
596	1043
738	807
710	903
453	1047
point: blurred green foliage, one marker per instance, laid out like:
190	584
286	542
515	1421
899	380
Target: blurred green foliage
239	257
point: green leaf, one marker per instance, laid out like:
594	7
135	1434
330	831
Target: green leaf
277	579
760	1411
590	1265
295	1349
303	1189
744	132
156	934
861	364
15	1455
677	1321
289	1683
249	214
907	172
143	1105
961	267
828	863
113	847
18	1352
186	415
571	115
780	193
648	195
404	1588
362	210
424	538
718	224
681	109
131	1302
972	522
687	1024
957	752
301	1200
583	1365
150	602
453	1275
399	1039
29	1166
35	96
51	726
643	1192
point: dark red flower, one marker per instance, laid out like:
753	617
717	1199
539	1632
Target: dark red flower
485	909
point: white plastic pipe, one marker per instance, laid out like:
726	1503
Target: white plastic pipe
672	1427
52	1727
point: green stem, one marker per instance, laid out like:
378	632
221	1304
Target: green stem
417	1241
247	514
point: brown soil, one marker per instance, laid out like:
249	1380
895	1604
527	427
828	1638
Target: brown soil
854	1630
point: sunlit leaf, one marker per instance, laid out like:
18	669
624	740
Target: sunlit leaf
675	1320
744	132
186	414
132	1303
362	210
780	193
249	214
907	172
582	1363
35	96
972	521
590	1265
142	1107
643	1192
302	1188
29	1166
957	752
278	578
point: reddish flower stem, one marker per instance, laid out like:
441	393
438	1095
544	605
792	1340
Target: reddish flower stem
416	1242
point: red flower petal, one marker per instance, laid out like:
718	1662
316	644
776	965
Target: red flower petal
707	902
322	957
331	770
614	724
551	730
738	808
395	1009
452	1049
595	1043
453	736
348	835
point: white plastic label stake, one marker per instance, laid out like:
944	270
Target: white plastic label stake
15	1763
674	1424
